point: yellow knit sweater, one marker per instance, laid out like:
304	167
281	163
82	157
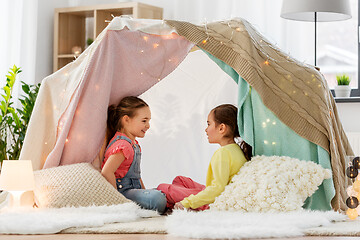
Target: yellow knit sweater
224	164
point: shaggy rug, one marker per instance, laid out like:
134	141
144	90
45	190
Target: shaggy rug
47	221
129	218
236	225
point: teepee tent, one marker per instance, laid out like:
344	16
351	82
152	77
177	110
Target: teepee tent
285	107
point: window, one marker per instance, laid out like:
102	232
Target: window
338	49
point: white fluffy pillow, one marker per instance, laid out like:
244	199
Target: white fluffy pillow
76	185
271	184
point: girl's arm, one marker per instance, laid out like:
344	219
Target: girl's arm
110	167
142	184
220	170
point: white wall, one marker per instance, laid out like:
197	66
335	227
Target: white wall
45	37
350	116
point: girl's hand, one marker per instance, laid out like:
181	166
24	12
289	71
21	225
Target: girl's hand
178	205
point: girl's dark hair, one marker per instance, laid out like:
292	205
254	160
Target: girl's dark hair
126	106
227	114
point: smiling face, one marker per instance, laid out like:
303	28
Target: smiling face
137	125
213	130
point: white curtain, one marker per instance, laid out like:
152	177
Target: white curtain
18	28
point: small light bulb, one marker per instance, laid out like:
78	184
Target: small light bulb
204	41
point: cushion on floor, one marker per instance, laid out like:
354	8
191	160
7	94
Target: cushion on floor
271	184
76	185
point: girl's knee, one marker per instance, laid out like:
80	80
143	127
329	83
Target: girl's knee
159	200
178	179
155	200
163	187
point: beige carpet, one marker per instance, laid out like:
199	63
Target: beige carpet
346	228
154	225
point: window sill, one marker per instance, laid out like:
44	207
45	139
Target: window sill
346	100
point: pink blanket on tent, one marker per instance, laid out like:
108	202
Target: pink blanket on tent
117	69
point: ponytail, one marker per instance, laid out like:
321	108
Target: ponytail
112	122
227	114
247	150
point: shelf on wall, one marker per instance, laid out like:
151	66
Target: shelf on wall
70	25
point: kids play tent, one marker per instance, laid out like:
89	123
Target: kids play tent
285	107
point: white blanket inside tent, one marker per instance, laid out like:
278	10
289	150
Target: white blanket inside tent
176	143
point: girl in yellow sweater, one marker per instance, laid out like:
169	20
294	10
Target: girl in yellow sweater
225	163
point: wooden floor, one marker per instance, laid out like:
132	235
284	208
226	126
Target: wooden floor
137	237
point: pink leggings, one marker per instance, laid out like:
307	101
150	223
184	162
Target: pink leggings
181	188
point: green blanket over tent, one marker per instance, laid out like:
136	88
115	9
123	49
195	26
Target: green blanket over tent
268	136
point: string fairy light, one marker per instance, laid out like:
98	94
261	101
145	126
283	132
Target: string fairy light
157	45
261	45
207	34
237	29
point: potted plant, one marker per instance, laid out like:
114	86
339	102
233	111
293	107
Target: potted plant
343	88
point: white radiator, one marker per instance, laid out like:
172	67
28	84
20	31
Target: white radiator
354	139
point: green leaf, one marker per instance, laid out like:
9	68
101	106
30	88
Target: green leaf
25	87
3	107
7	91
15	117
